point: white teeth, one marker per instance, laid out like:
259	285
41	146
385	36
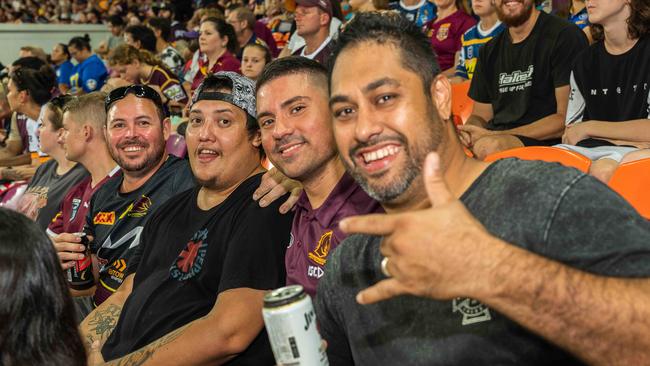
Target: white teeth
207	151
132	148
380	154
290	148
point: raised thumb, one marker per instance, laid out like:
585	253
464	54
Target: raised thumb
434	182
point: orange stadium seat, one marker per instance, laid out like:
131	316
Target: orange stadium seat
632	181
461	103
546	153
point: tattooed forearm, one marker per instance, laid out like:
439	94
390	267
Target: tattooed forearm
100	323
144	354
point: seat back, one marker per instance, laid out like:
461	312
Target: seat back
632	181
546	153
176	145
461	103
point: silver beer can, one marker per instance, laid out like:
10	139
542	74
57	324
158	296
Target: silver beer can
291	325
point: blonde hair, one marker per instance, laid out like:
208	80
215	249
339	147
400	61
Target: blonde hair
88	108
125	54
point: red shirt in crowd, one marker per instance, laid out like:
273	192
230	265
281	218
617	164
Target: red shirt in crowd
446	34
226	62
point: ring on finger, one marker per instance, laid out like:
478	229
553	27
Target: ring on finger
384	267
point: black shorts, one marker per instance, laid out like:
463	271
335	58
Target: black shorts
528	141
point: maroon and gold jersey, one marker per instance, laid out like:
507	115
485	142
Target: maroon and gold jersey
168	84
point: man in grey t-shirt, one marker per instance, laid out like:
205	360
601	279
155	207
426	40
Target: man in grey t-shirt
518	263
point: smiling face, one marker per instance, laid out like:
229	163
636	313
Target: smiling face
135	135
514	13
220	148
295	123
384	123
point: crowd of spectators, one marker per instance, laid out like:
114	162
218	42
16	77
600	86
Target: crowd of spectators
139	156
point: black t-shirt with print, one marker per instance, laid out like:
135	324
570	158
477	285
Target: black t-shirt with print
116	220
189	256
519	80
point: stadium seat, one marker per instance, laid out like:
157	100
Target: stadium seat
176	145
461	103
631	180
546	153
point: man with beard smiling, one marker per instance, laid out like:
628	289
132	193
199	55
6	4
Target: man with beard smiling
521	82
502	272
136	130
209	254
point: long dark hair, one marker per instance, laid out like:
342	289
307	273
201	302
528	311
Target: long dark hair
638	24
225	30
80	43
39	84
37	316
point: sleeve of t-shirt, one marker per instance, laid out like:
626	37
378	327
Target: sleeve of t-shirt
64	74
254	256
56	225
184	179
479	90
93	77
329	321
576	107
596	230
569	44
89	227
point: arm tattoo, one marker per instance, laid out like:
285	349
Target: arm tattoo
102	323
140	356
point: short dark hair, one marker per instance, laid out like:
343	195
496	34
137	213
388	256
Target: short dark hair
37	315
291	65
80	43
214	83
65	49
144	35
267	53
391	28
116	21
39	84
29	62
163	25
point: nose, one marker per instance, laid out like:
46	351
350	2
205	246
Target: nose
205	132
282	128
367	125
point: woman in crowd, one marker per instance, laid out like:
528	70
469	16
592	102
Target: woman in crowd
608	116
90	73
60	57
141	67
254	58
28	91
446	31
218	46
55	177
37	315
578	16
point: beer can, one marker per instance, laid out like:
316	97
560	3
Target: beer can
290	322
80	277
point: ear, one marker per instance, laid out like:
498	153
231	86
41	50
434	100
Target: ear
88	132
167	128
257	139
441	96
324	18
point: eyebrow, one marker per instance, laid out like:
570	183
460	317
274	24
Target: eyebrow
366	89
283	105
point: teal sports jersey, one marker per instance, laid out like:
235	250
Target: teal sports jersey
421	14
90	75
471	42
581	19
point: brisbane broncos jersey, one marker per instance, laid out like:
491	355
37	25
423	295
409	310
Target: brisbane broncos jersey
116	220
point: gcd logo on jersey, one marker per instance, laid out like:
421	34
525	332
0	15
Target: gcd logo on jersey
104	218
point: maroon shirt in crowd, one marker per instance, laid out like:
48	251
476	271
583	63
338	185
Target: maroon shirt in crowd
168	84
323	53
315	233
446	34
226	62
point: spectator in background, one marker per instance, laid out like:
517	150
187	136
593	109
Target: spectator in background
254	59
608	117
37	323
28	91
420	12
243	22
313	18
167	54
446	32
578	16
521	82
488	27
368	5
218	45
167	11
90	73
63	67
141	67
55	177
296	41
140	37
32	51
116	27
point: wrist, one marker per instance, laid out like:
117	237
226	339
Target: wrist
494	269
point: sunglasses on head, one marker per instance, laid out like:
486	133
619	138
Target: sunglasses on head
140	91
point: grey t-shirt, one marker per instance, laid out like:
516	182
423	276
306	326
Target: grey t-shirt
545	208
46	190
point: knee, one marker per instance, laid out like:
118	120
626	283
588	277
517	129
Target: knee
486	146
603	169
636	155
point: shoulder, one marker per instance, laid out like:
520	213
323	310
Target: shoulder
556	27
107	190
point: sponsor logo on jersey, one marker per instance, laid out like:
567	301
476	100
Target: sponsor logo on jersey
190	261
138	208
443	32
473	311
518	80
104	218
319	254
118	267
91	84
174	92
76	202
